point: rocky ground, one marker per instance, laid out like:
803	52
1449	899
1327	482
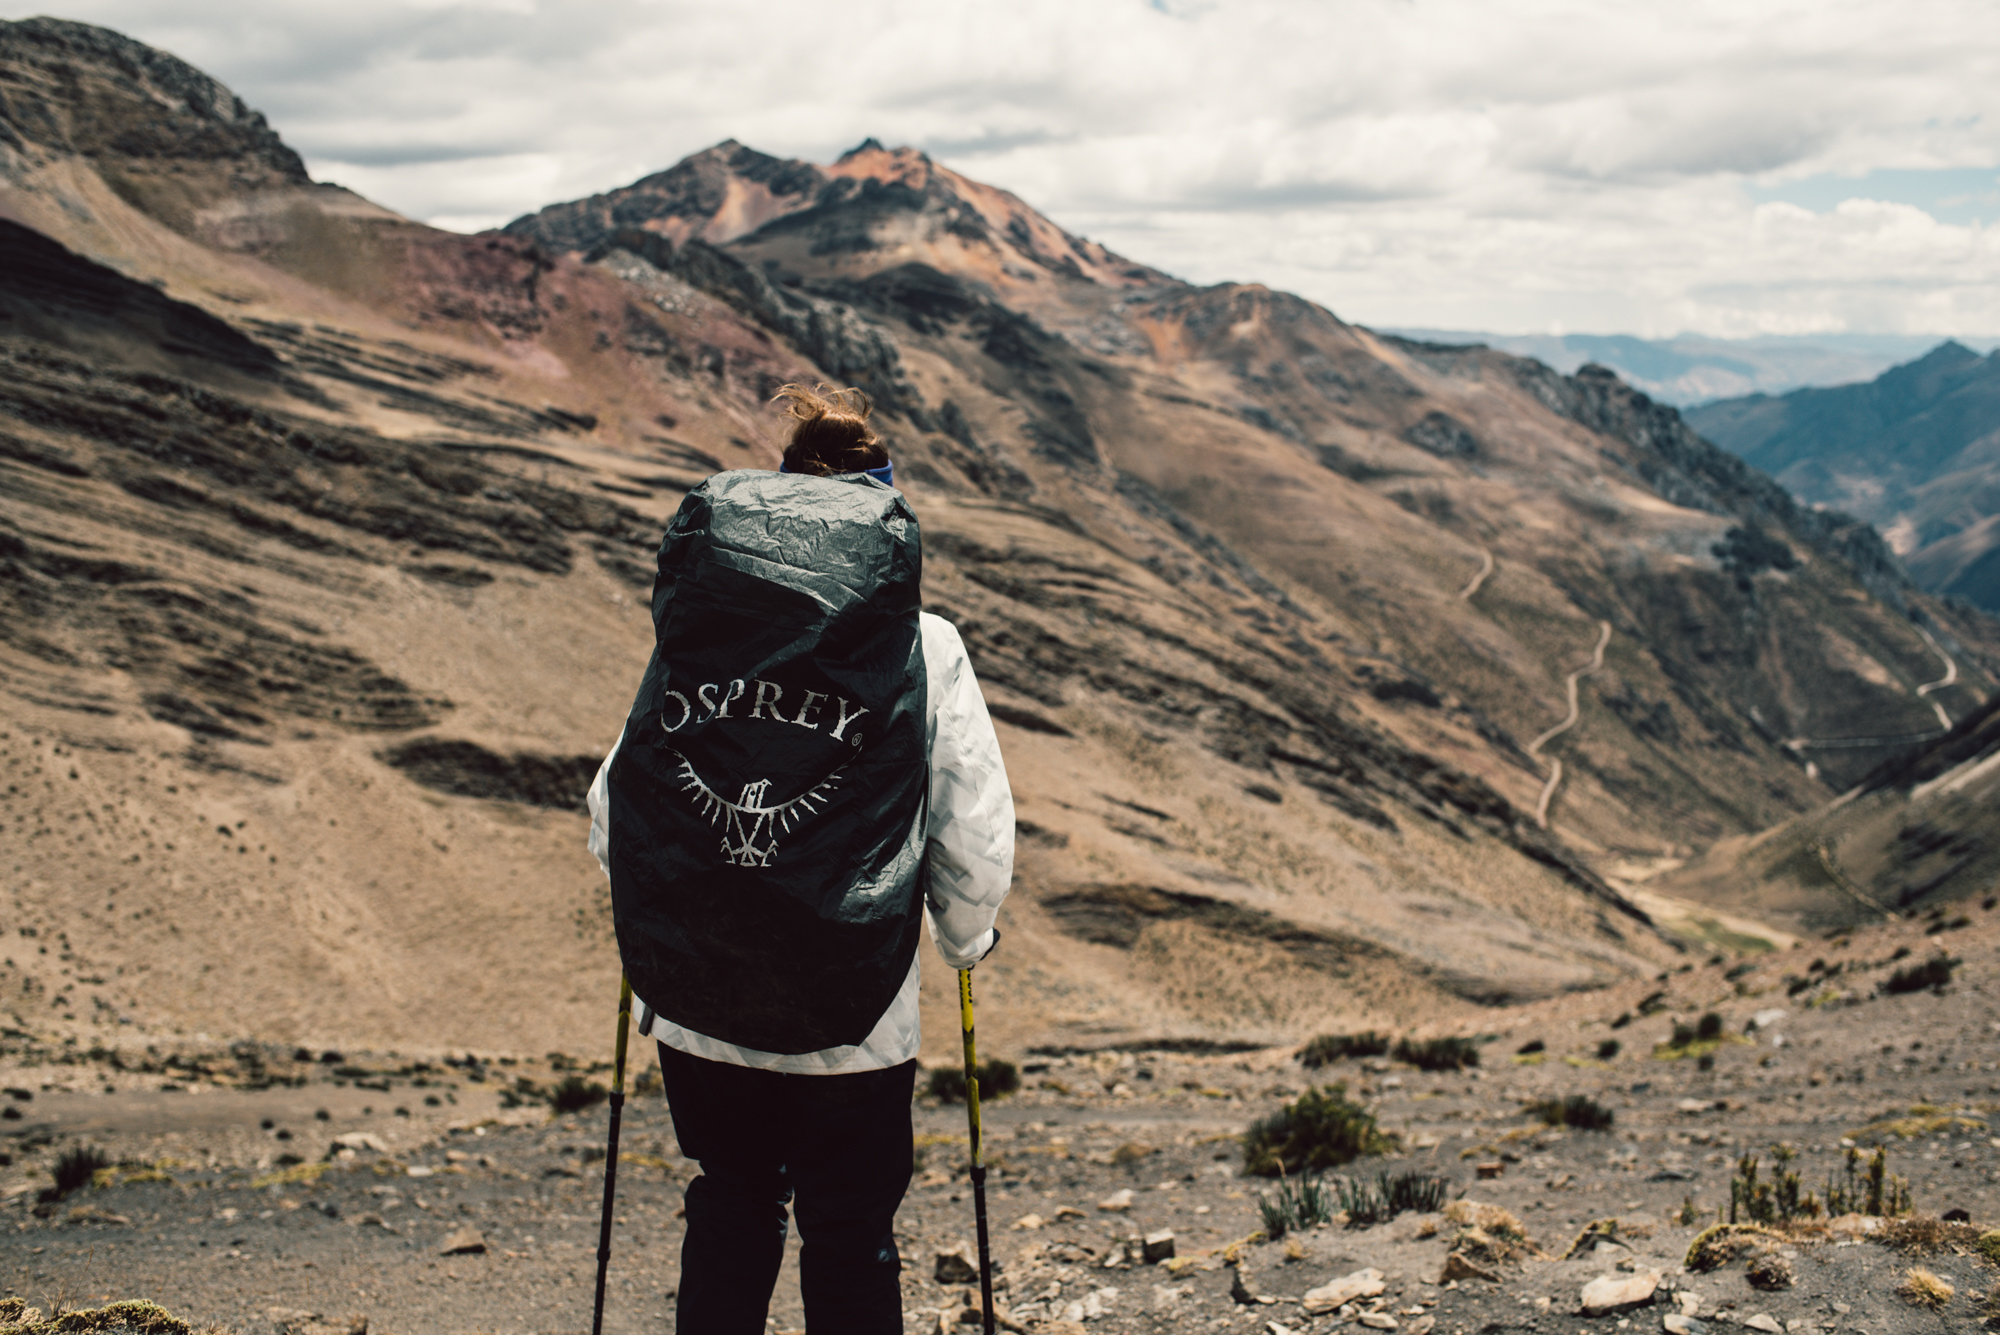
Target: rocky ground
399	1160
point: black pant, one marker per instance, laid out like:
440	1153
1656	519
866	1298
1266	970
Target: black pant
842	1142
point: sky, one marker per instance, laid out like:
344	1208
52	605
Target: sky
1755	167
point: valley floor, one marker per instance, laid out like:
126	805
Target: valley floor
221	1231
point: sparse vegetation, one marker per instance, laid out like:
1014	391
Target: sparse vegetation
1320	1129
1933	973
1779	1200
139	1316
75	1167
1988	1246
997	1079
1438	1054
1872	1192
1921	1288
1927	1235
1389	1195
1578	1110
573	1093
1771	1271
1720	1244
1329	1048
1298	1203
1698	1040
1608	1050
1488	1234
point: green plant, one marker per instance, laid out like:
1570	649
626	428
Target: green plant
573	1094
1767	1202
996	1079
1389	1195
1578	1110
1329	1048
1688	1215
1297	1203
1872	1191
1318	1130
1608	1049
1438	1054
1934	972
75	1168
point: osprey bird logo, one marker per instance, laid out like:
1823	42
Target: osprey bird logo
750	829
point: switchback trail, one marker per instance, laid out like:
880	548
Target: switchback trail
1535	747
1949	678
1480	578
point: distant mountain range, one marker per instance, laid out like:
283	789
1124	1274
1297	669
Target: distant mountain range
1916	451
1690	369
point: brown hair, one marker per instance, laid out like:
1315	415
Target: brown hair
830	431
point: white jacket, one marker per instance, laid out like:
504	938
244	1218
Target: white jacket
969	866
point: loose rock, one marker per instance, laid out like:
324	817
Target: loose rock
1329	1297
1675	1323
956	1264
1459	1266
1378	1321
1611	1293
1117	1202
1768	1324
1159	1246
465	1242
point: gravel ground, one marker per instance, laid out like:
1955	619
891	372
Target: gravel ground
207	1218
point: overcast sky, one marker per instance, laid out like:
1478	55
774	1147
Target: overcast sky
1754	166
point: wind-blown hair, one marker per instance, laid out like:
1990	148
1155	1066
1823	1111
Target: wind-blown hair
830	431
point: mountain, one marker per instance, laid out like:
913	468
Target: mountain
1342	678
1691	369
1916	451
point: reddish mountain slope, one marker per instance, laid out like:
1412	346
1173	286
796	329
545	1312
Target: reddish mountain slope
328	535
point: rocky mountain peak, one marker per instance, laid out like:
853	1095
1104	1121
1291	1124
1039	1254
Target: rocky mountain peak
80	90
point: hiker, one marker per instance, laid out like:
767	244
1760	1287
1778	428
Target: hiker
808	771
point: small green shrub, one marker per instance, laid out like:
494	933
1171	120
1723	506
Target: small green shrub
1608	1049
1578	1110
1531	1047
573	1094
1708	1028
1934	972
1389	1195
1438	1054
1298	1203
74	1169
1328	1048
1318	1130
996	1079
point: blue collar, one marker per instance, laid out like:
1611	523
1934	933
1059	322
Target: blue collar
886	474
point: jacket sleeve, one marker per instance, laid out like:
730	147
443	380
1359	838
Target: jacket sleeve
599	800
970	835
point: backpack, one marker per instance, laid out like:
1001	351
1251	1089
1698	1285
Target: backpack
767	804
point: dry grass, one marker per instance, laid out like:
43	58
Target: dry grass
143	1318
1920	1288
1927	1235
1770	1272
1989	1305
1488	1233
1715	1247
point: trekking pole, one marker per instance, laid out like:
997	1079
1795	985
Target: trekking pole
978	1162
611	1153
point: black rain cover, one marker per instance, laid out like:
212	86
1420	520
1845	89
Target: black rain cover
765	809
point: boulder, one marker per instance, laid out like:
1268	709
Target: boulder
1329	1297
1614	1293
1159	1246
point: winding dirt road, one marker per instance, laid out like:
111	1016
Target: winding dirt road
1480	578
1535	747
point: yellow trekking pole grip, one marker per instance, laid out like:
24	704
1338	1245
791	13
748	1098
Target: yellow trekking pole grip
971	1062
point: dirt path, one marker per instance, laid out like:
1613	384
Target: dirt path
1535	747
1949	678
1480	578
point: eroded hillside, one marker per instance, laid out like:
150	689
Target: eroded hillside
328	537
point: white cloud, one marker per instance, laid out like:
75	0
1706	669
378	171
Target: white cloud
1499	164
